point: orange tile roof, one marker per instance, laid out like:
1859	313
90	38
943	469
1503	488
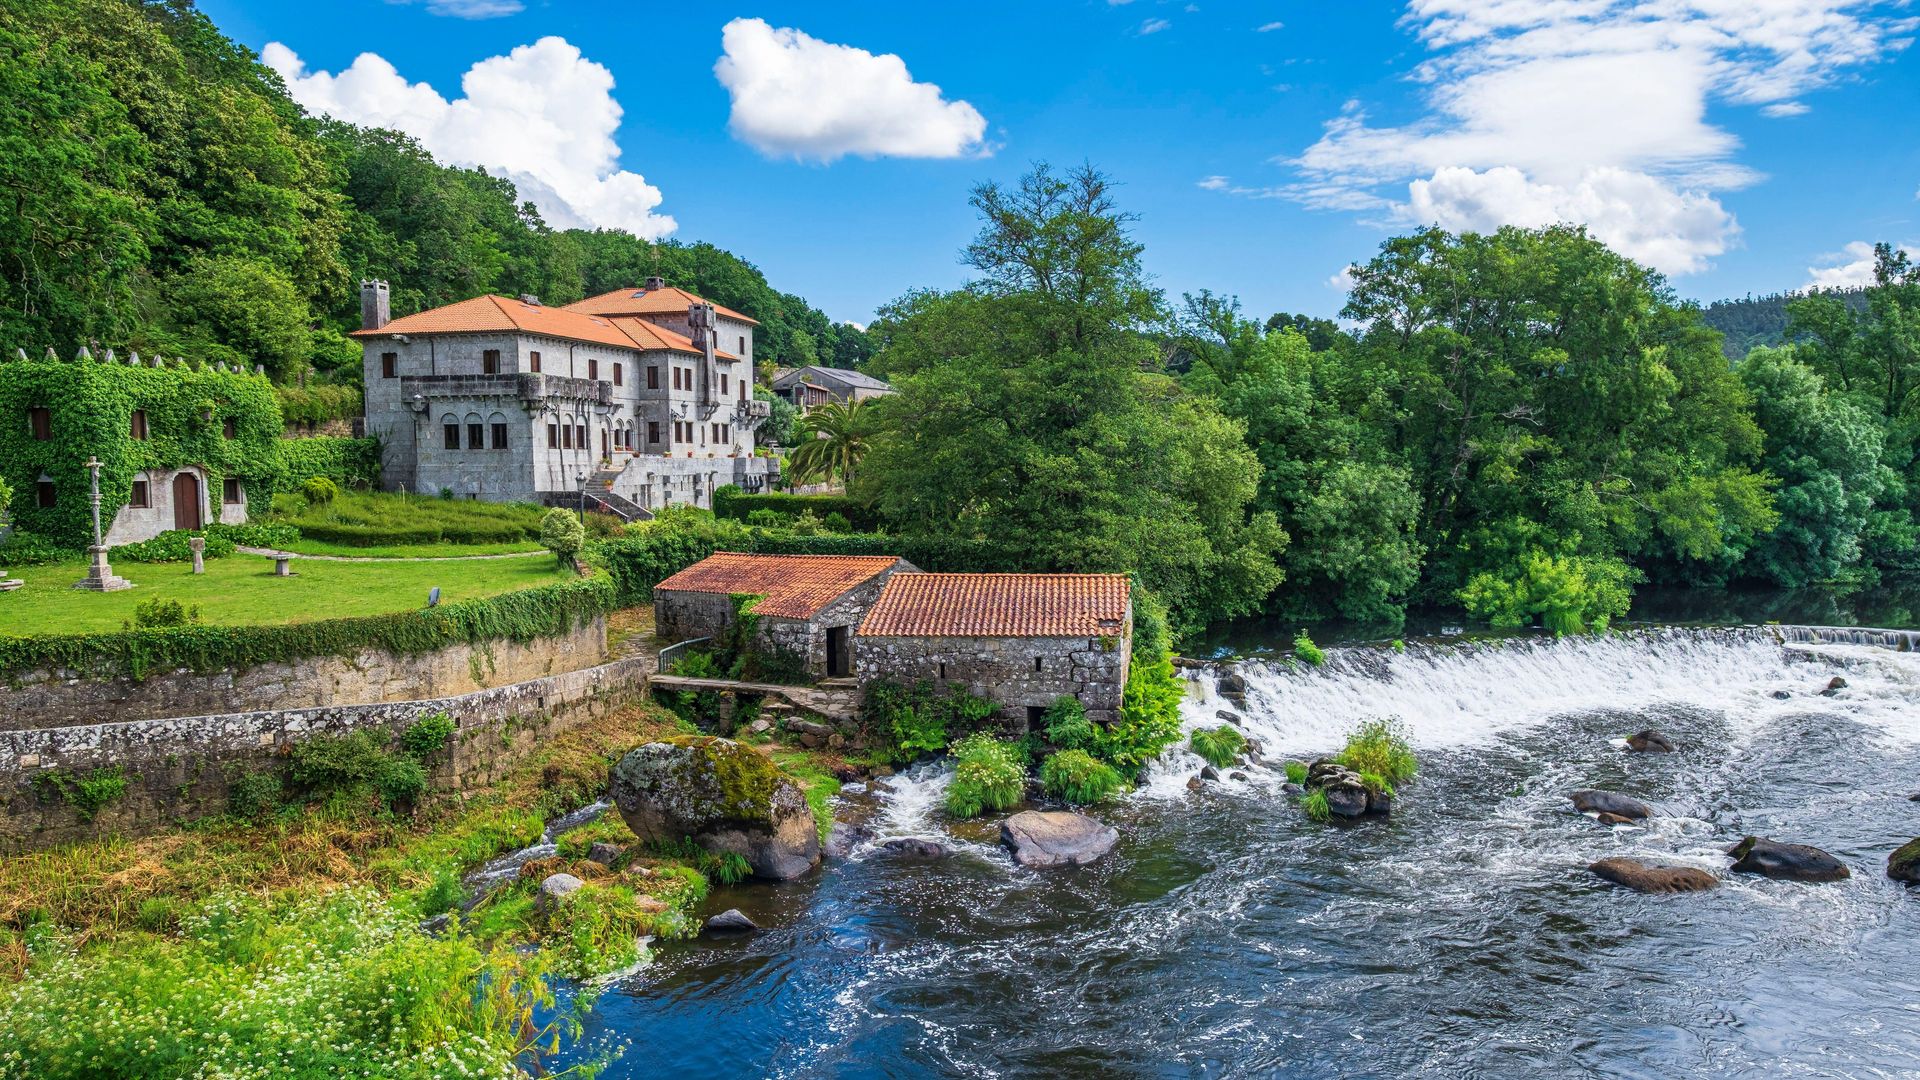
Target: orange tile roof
648	335
794	586
999	605
664	301
494	314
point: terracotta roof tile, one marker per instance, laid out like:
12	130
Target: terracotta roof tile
794	586
999	605
648	335
667	301
497	314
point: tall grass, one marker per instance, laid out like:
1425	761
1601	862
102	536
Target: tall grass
1380	749
987	775
1221	746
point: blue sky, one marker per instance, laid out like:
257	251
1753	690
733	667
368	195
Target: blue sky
1741	145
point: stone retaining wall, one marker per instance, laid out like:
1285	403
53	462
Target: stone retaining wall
179	769
1017	673
47	698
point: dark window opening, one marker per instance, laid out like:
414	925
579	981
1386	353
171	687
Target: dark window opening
452	434
43	494
230	491
553	436
533	362
723	383
653	431
490	362
943	671
580	437
617	373
476	436
137	424
743	345
389	365
1036	717
593	368
499	436
229	428
1036	663
653	378
566	436
41	421
142	497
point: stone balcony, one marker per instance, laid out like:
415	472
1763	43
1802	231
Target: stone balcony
522	386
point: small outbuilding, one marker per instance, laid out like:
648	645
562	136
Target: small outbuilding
1021	640
809	604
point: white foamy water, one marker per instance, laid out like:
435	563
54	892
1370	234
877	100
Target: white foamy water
1459	695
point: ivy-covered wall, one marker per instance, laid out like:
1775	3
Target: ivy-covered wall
91	401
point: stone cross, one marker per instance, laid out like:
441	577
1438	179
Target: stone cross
100	576
198	545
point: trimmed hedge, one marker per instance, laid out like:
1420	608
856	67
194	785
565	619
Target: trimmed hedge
350	463
521	616
171	546
732	503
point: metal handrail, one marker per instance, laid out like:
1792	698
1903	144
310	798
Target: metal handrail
670	654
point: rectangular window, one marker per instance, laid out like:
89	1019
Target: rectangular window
533	361
616	375
389	365
230	491
653	378
476	436
943	671
137	424
490	362
41	422
43	494
553	436
653	431
142	498
743	344
499	436
593	368
229	428
450	436
566	436
723	385
580	437
1036	663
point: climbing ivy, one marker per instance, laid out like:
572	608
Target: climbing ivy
518	616
90	404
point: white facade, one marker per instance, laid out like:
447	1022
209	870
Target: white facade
517	415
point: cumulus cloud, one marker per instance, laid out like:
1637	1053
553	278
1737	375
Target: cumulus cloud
475	9
1591	111
797	95
542	116
1849	268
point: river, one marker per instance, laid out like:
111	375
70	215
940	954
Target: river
1229	936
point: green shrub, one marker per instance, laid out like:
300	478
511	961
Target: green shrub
171	546
155	613
378	519
319	491
254	534
1150	702
1566	595
350	463
1220	747
805	523
1296	772
562	534
765	518
986	776
1314	805
1306	650
836	522
89	792
731	503
597	929
443	894
356	765
1398	645
427	735
22	548
1078	777
919	720
1066	724
254	795
1380	747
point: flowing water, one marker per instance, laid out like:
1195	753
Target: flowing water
1228	936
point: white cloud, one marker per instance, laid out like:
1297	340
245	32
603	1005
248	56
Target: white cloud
1852	267
800	96
1592	111
542	116
1153	26
1268	28
1215	183
475	9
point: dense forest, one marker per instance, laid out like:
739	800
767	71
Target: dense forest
1753	321
1524	423
167	195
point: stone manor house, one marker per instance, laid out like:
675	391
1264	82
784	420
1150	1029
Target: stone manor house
642	397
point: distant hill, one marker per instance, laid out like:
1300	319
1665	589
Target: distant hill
1762	320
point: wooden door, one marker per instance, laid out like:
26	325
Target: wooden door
186	502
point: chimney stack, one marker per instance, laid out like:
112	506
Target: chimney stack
375	311
656	283
529	299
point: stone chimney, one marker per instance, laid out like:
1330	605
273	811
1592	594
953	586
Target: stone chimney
529	299
375	311
656	283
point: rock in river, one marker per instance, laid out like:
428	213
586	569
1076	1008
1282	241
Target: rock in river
1834	686
1056	838
913	847
723	796
1904	865
1650	878
1595	801
731	921
554	889
1788	862
1651	742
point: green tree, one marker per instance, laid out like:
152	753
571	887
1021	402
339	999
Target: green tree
830	442
1030	410
562	534
782	418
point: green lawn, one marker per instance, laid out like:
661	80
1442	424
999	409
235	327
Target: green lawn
410	551
241	589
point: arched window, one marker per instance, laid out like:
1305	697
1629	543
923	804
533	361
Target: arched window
450	431
497	431
476	432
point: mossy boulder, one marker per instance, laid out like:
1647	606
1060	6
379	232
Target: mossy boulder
1904	864
722	795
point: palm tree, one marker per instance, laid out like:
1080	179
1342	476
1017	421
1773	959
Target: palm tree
832	440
